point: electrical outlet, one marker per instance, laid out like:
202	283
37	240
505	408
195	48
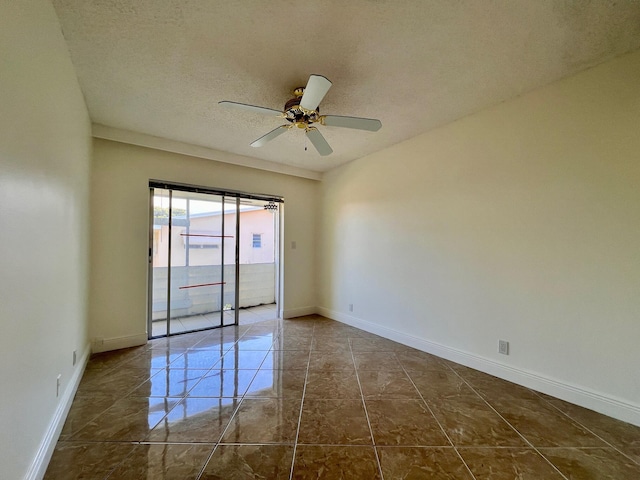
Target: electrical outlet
351	307
58	384
74	358
503	347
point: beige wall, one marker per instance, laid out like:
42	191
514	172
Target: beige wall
521	222
45	148
120	231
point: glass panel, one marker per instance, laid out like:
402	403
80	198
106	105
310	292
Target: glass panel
257	260
159	262
230	221
196	257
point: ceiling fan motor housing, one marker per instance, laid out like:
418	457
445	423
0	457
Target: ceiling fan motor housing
294	113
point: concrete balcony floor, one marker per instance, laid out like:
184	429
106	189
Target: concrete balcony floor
248	316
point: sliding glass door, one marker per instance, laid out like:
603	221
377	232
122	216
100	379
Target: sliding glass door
195	257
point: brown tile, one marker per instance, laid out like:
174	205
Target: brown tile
415	360
293	342
376	361
461	369
87	461
622	435
331	361
263	329
91	374
154	358
359	344
289	330
83	410
170	382
331	463
334	329
264	420
468	420
494	388
288	360
362	334
242	359
337	422
436	383
223	383
404	422
218	340
386	384
255	342
129	419
239	462
543	425
115	382
633	453
327	384
508	463
195	420
198	359
330	343
592	463
297	326
277	383
422	463
108	360
163	462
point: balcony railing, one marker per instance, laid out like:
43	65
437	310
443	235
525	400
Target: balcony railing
257	287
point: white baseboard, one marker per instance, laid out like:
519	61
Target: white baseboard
605	404
40	462
115	343
299	312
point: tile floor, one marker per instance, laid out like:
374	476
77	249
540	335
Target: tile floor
311	398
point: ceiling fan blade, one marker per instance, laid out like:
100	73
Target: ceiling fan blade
276	132
314	135
369	124
250	108
317	87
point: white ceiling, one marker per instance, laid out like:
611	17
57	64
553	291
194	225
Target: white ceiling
160	67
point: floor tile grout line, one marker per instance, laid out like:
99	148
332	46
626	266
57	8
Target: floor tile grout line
587	429
507	422
366	412
436	419
224	431
121	462
235	412
304	391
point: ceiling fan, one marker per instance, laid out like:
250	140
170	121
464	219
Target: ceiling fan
302	111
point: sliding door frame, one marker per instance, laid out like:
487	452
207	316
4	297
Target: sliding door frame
238	195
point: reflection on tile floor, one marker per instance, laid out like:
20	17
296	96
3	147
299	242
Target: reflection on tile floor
317	399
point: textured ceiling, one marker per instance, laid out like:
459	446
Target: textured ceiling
160	67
